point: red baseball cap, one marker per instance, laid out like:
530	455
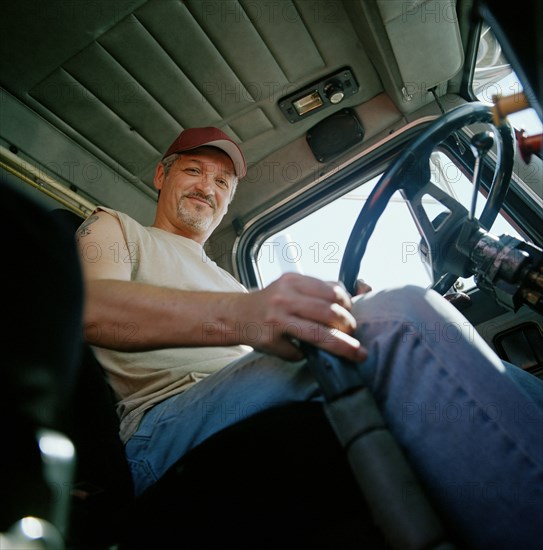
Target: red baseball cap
191	138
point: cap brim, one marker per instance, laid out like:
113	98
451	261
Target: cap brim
232	150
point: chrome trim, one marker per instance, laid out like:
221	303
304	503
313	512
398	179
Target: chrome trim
31	175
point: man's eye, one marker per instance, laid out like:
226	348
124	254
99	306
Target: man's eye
223	183
191	170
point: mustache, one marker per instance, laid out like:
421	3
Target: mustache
210	199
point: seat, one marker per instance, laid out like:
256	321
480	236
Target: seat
279	479
40	348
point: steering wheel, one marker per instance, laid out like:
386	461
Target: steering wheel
410	174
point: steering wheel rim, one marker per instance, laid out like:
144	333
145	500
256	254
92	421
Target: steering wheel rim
410	174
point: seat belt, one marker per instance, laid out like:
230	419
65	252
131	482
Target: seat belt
399	505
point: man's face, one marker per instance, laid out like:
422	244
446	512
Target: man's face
195	193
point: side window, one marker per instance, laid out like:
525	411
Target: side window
315	245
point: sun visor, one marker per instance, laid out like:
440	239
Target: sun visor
416	46
425	40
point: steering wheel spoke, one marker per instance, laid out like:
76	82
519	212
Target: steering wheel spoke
434	232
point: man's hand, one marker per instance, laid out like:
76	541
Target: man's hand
296	307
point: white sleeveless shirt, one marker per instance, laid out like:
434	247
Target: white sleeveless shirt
142	379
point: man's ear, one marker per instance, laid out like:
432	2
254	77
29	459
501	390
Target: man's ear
158	180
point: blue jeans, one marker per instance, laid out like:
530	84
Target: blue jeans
471	426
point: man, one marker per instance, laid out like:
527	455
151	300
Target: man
168	326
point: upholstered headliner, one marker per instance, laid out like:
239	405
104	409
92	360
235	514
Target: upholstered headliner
95	90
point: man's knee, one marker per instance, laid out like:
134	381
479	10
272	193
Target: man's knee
410	302
415	312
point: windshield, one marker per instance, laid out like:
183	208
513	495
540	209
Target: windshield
315	245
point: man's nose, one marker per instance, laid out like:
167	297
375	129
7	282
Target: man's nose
206	183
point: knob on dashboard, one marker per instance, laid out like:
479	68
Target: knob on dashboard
334	91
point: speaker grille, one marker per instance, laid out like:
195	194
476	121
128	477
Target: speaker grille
334	135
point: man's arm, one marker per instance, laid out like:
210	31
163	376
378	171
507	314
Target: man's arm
126	315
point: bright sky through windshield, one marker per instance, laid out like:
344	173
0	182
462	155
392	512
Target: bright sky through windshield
315	245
